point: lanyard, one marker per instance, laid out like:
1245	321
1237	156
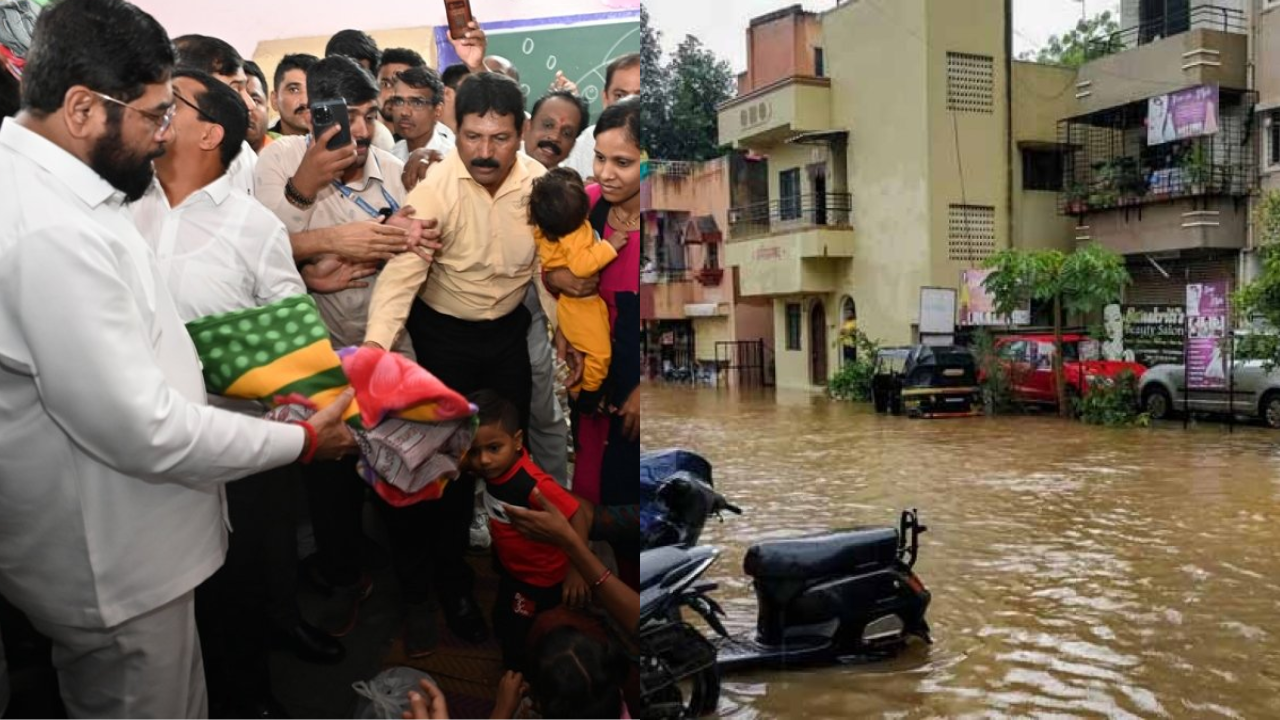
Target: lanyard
350	194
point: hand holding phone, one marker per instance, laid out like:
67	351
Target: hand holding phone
327	113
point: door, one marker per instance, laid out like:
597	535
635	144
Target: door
1013	355
818	176
817	345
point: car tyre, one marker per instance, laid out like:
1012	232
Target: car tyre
1269	409
1157	403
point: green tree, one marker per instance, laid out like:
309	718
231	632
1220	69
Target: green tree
1260	299
654	105
679	98
1089	40
1080	283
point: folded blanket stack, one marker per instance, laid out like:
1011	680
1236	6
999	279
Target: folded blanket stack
413	430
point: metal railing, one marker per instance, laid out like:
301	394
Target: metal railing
1203	17
796	211
672	168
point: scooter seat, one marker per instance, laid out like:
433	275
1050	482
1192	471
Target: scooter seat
818	556
656	564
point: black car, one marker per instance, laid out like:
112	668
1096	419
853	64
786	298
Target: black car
927	381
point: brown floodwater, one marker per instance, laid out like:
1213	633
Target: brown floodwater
1075	570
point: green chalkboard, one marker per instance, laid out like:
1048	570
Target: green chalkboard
581	47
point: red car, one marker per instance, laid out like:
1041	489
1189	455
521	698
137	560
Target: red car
1028	359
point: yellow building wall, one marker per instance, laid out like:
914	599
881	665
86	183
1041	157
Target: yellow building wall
879	93
706	333
968	151
1042	94
791	368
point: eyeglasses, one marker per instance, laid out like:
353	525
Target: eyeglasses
416	103
206	116
162	120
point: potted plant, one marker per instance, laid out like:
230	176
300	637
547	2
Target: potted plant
1077	198
1196	169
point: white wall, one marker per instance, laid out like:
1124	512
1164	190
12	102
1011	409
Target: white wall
245	23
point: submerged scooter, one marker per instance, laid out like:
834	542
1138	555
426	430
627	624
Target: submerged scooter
844	596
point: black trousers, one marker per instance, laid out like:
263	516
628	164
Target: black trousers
335	496
515	608
254	589
429	539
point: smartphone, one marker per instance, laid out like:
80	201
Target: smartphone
327	113
459	14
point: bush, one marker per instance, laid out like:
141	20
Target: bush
1113	403
997	388
853	380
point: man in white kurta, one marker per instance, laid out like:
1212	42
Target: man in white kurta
111	462
220	250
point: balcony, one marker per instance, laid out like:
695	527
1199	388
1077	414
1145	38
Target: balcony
1207	45
790	214
795	245
1112	161
776	112
1180	225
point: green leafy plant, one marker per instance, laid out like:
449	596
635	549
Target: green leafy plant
1196	168
1112	402
997	387
853	380
1079	283
1258	302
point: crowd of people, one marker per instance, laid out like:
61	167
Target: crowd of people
148	526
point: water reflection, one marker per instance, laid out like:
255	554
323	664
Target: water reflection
1076	571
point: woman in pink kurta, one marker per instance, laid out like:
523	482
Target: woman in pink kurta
607	461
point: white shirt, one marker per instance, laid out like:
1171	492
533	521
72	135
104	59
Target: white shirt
441	142
241	170
583	156
382	137
218	250
110	460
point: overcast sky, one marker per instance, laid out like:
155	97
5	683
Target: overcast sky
722	25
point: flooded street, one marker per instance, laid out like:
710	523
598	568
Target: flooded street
1075	571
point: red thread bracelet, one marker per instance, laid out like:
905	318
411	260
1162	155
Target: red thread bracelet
607	574
310	445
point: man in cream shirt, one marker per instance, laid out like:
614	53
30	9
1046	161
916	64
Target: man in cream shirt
466	317
111	463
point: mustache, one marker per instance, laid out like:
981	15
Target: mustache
485	163
551	145
364	143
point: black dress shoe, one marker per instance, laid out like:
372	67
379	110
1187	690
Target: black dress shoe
465	619
311	644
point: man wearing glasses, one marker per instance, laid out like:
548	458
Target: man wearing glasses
415	106
394	62
219	250
112	464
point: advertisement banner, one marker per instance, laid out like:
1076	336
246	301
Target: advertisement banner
1147	334
1206	327
1184	114
977	306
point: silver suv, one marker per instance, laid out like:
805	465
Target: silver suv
1256	392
